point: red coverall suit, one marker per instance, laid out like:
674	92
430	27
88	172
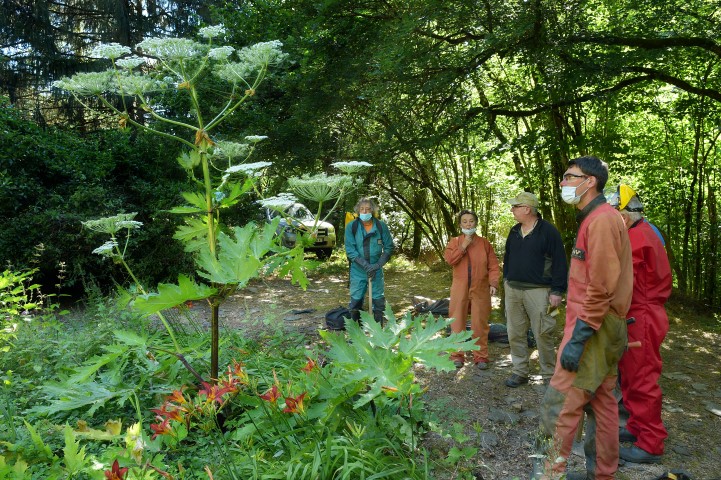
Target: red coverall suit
474	272
599	293
640	368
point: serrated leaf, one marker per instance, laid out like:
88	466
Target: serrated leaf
189	160
196	199
239	256
73	455
194	233
170	295
43	451
181	210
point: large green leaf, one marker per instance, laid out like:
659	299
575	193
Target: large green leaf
170	295
239	256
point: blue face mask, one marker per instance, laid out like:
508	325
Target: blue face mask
365	216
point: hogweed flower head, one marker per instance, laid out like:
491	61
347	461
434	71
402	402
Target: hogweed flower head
86	84
221	53
172	49
250	169
110	50
350	168
256	138
252	59
212	31
112	225
279	202
107	249
131	85
321	187
130	63
231	150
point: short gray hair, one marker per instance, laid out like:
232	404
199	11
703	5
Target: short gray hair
369	201
633	209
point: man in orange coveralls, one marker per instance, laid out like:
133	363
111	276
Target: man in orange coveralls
600	284
640	367
475	279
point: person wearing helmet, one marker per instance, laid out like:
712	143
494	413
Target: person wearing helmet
600	283
640	366
619	200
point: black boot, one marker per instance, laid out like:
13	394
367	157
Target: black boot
355	307
379	307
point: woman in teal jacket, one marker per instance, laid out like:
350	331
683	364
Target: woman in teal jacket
368	245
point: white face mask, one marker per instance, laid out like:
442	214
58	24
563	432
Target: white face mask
468	231
568	193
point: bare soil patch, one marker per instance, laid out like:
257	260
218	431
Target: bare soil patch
502	422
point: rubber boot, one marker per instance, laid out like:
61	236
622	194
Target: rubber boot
355	307
379	307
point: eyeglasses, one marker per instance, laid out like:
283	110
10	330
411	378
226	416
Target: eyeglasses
513	207
570	176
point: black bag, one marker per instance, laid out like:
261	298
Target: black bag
438	308
335	319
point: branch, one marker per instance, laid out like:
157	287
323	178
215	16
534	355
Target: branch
677	82
654	43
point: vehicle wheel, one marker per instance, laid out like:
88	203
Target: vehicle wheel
324	253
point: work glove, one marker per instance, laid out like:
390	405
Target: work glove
385	256
372	269
572	352
362	262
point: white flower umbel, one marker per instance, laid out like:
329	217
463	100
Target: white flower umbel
212	31
321	187
86	84
255	138
231	150
172	49
109	50
249	169
128	84
114	224
263	53
279	202
130	63
351	167
254	58
221	53
234	72
107	249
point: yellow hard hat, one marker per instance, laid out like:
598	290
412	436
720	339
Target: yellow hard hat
620	198
625	193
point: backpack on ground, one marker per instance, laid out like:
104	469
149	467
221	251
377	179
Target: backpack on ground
335	319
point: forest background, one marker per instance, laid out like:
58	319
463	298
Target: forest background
457	104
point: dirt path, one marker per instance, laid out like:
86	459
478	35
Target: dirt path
503	422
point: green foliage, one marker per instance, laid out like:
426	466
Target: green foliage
382	357
51	180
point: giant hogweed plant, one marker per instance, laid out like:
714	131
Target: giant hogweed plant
226	259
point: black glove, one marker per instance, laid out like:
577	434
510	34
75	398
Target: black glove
372	269
362	262
571	356
385	256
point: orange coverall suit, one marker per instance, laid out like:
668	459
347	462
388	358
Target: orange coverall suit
600	284
640	368
474	272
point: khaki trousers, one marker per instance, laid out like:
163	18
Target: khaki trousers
524	309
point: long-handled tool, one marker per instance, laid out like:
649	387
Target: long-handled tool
370	296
